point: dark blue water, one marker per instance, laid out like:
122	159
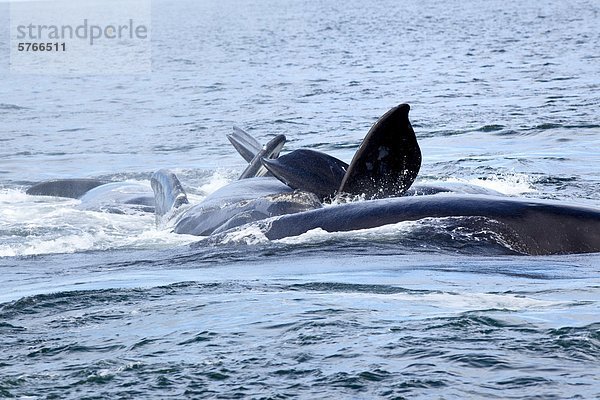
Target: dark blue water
503	95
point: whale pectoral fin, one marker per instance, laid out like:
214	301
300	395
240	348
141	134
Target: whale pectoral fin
251	150
168	192
270	150
388	160
309	170
245	144
71	188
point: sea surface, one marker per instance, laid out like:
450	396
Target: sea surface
503	94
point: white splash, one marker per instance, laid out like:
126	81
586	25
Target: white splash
509	184
460	302
250	235
380	233
219	179
33	225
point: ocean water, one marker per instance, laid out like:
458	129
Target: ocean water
503	94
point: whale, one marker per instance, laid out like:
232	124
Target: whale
386	164
306	190
99	195
133	197
529	227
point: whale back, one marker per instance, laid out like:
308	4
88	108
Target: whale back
71	188
534	227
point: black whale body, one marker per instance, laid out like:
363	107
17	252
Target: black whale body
530	227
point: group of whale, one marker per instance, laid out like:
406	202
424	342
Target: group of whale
285	195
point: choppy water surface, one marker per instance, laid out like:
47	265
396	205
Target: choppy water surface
503	95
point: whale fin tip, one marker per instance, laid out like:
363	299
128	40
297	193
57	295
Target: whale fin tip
387	161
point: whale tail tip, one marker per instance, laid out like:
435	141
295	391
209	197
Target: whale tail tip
253	152
244	143
270	150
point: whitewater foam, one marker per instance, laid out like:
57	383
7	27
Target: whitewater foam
509	184
34	225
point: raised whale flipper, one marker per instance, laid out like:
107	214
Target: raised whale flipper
309	170
388	160
71	188
168	192
245	144
270	150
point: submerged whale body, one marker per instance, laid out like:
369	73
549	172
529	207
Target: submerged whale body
99	195
239	203
285	196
